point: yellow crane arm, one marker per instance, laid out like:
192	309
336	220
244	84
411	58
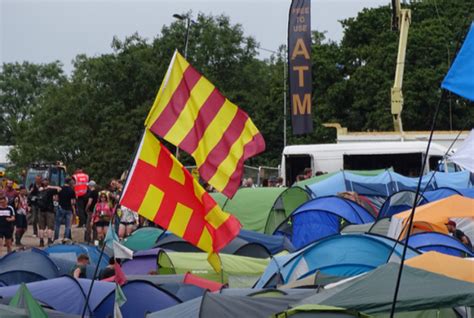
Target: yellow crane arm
401	21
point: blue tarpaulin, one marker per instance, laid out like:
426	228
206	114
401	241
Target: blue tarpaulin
460	77
387	183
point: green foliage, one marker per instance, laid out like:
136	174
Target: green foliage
94	118
21	87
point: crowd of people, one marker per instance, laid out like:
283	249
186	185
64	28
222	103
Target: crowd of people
46	208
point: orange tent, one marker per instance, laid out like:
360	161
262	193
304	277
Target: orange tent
447	265
438	213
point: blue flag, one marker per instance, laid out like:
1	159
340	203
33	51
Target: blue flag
460	77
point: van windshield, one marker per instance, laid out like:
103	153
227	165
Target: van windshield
407	164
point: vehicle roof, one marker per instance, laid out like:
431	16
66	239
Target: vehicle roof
369	148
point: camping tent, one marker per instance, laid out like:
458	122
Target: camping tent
443	243
387	183
64	294
305	311
403	200
71	251
274	243
68	295
454	267
251	206
338	255
142	297
143	262
238	271
322	217
27	266
420	290
12	312
284	205
436	214
143	238
237	246
219	305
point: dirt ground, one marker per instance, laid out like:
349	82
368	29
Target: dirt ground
29	240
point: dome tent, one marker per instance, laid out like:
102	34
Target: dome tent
322	217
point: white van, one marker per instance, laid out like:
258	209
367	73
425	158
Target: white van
404	157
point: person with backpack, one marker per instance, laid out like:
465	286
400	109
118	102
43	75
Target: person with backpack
46	200
66	209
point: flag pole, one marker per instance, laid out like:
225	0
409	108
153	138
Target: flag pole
130	166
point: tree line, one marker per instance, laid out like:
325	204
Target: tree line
93	117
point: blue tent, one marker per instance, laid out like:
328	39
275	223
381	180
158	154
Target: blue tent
439	242
338	255
323	217
71	251
387	183
63	294
143	262
184	292
142	297
274	243
403	200
28	266
68	295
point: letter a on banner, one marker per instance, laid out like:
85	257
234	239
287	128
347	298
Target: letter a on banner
299	66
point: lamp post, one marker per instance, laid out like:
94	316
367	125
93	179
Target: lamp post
284	92
183	17
186	17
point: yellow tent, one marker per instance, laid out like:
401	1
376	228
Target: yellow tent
447	265
438	213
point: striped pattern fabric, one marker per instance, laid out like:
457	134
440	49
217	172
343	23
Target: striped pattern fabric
163	191
192	114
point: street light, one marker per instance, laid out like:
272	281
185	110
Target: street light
188	24
183	17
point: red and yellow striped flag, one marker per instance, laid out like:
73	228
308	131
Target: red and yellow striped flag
192	114
163	191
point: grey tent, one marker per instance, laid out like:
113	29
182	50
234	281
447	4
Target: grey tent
379	227
218	305
12	312
420	290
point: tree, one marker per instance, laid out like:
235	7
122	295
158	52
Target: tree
21	86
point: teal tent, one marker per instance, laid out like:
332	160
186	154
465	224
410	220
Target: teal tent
143	239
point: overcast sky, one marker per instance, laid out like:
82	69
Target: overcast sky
46	30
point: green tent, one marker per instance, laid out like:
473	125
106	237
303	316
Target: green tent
250	205
143	238
419	291
237	271
284	205
24	299
322	311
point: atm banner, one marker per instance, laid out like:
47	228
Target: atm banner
299	66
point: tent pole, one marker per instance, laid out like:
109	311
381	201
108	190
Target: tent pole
86	304
412	214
